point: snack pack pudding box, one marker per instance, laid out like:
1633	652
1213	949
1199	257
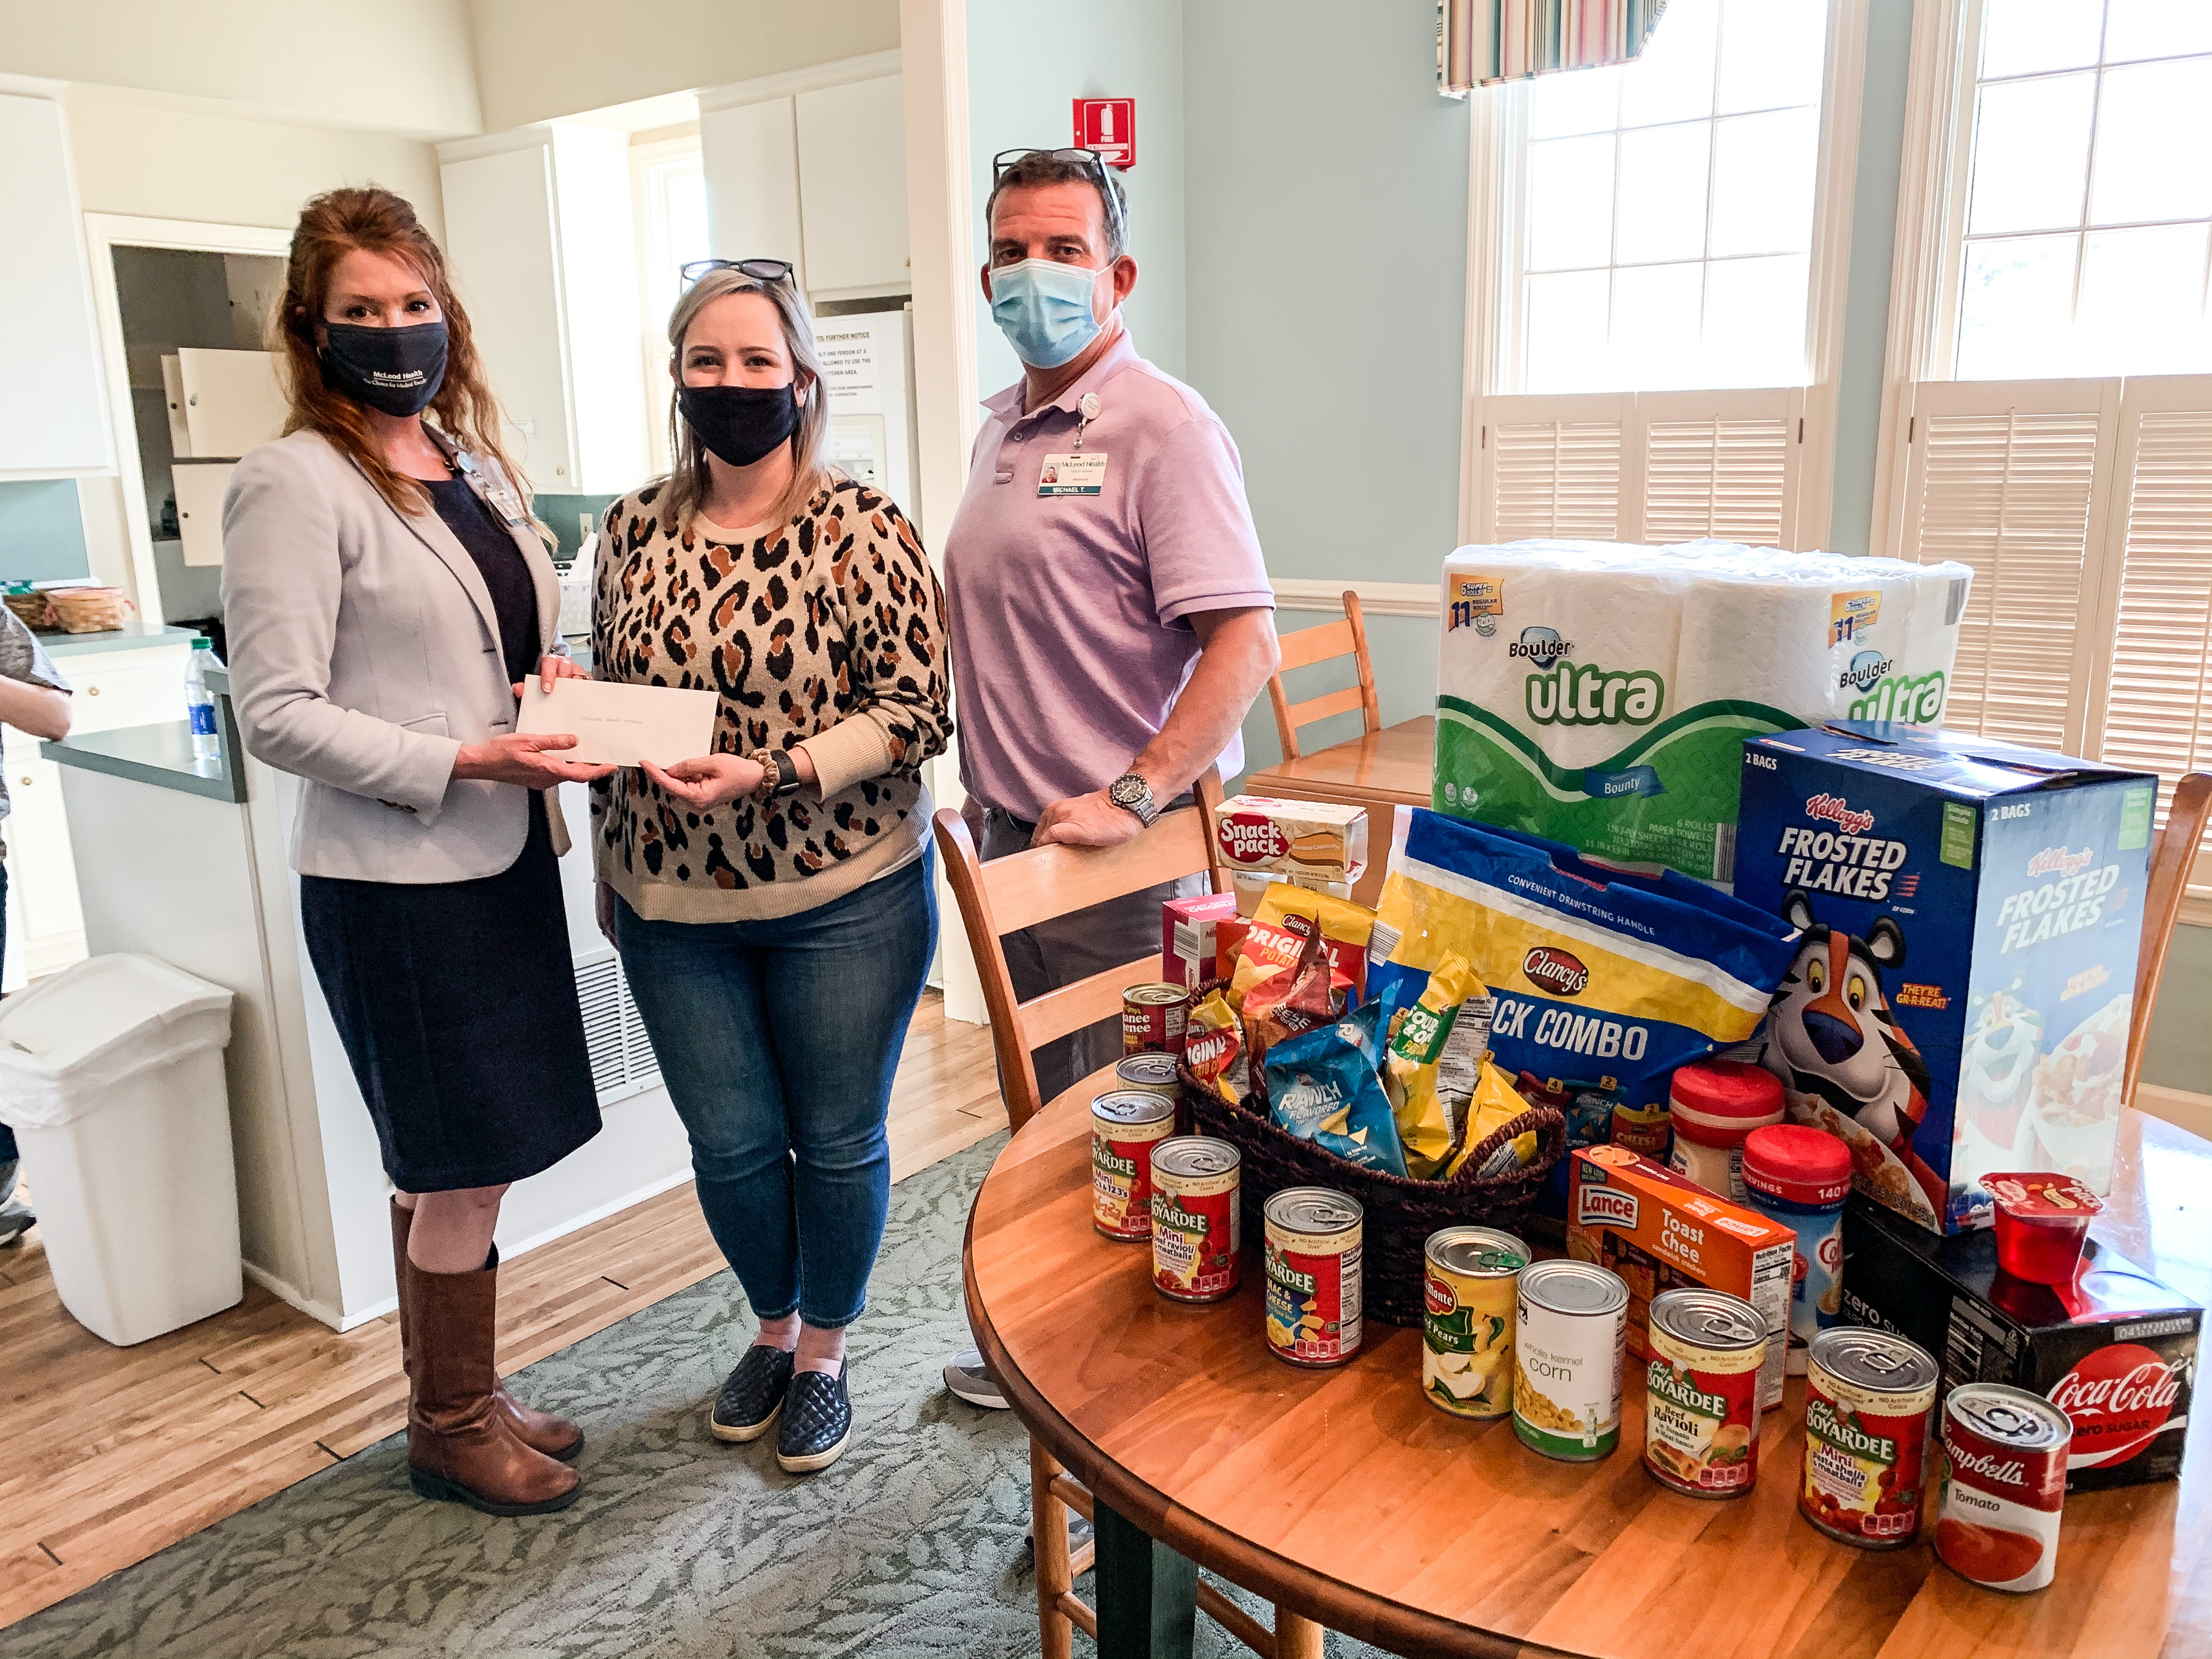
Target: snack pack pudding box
1971	909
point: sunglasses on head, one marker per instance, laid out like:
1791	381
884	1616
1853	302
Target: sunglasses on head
1089	160
760	270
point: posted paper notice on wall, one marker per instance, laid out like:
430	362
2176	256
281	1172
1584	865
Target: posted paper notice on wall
622	724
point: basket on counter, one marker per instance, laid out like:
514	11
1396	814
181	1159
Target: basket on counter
31	608
1401	1213
88	609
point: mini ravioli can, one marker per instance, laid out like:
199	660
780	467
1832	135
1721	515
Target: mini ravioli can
1701	1393
1124	1127
1473	1280
2004	1483
1571	1328
1195	1225
1153	1073
1151	1018
1312	1275
1869	1397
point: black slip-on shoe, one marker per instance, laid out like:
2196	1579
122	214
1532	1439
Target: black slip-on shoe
818	1423
752	1395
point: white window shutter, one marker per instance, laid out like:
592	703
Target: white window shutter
2013	478
1552	466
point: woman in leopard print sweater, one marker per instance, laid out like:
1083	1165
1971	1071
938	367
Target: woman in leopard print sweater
773	901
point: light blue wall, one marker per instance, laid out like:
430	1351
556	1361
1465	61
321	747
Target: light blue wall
1028	61
41	532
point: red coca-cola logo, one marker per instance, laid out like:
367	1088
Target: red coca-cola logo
1441	1298
1559	972
2119	1398
1248	838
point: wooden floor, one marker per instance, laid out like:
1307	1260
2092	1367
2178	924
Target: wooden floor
114	1453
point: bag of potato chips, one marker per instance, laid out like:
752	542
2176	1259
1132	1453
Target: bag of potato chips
1213	1047
1431	1051
1322	1087
1346	929
1496	1104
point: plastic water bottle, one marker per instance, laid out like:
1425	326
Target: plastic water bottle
199	701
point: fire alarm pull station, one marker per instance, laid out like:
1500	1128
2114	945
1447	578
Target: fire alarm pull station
1107	125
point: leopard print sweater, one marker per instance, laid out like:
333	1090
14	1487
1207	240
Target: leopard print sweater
828	632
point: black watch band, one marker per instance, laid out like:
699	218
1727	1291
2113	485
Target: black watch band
786	774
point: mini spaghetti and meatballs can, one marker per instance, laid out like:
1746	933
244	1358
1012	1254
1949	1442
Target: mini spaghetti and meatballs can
1124	1127
1472	1280
1153	1073
1571	1330
1312	1248
1701	1392
2004	1483
1151	1018
1195	1226
1869	1397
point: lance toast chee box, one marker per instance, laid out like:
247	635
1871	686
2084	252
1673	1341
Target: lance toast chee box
1971	911
1659	1231
2113	1347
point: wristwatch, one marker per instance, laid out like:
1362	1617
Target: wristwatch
1133	795
779	775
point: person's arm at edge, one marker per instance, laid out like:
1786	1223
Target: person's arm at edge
37	709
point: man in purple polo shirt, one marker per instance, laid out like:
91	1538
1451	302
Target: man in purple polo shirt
1111	615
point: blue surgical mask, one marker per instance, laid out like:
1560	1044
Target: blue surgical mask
1044	307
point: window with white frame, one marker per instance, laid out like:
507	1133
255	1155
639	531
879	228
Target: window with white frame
668	193
1645	366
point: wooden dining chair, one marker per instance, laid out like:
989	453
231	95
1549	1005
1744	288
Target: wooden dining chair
1002	897
1326	643
2173	860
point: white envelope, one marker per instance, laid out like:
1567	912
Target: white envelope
617	724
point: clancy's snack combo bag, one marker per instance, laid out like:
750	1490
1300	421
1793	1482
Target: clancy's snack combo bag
1602	982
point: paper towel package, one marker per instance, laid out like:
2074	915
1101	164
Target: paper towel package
1599	693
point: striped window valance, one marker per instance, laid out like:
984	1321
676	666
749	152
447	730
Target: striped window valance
1480	43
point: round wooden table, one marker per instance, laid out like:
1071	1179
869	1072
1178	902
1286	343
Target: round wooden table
1345	1496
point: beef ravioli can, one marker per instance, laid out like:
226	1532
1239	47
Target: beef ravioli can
1195	1223
1124	1128
1473	1276
1151	1018
1869	1397
2004	1484
1313	1251
1701	1392
1571	1330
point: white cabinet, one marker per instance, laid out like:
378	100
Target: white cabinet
47	342
231	401
750	153
200	486
538	232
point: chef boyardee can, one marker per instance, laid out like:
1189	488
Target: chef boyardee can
1150	1073
1124	1127
1312	1275
1701	1392
1869	1397
1466	1362
1195	1225
1571	1330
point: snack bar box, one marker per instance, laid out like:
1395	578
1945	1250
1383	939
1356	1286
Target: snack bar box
1959	1000
2114	1348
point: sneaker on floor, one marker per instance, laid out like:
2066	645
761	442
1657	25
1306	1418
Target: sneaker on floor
752	1395
818	1422
966	1379
16	1218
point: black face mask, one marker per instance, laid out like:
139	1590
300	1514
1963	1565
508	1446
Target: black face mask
395	370
740	423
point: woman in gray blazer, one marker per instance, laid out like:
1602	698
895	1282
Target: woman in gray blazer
385	591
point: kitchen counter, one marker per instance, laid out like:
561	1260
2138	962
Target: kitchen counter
160	754
132	636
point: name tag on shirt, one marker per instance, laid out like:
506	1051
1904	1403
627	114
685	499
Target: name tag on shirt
1073	475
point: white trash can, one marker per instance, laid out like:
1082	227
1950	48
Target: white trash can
111	1074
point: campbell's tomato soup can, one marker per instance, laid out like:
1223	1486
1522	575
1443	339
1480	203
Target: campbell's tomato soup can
1868	1400
2004	1483
1313	1247
1196	1228
1125	1127
1151	1018
1701	1392
1153	1073
1571	1330
1471	1281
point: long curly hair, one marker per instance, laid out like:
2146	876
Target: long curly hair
332	226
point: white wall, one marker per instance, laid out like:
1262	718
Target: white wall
1027	61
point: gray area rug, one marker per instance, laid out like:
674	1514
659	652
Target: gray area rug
681	1548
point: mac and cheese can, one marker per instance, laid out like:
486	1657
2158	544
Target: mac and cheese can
1571	1330
1124	1128
1312	1249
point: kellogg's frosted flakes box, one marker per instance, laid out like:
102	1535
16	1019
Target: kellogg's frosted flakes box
1971	911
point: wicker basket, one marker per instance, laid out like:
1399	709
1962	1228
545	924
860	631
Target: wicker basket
1400	1214
88	609
31	608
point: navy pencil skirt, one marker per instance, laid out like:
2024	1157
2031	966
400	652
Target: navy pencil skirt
456	1002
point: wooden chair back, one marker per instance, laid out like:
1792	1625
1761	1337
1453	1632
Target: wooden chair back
2171	861
1326	643
1023	889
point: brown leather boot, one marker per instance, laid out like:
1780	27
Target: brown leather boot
556	1436
461	1446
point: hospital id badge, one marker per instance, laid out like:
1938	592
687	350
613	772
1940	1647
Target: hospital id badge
1081	474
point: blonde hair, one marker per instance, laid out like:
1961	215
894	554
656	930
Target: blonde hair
686	488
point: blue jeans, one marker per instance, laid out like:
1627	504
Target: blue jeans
778	1041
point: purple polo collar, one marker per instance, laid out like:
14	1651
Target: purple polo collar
1007	404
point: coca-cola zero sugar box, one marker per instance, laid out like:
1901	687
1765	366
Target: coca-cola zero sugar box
2114	1348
